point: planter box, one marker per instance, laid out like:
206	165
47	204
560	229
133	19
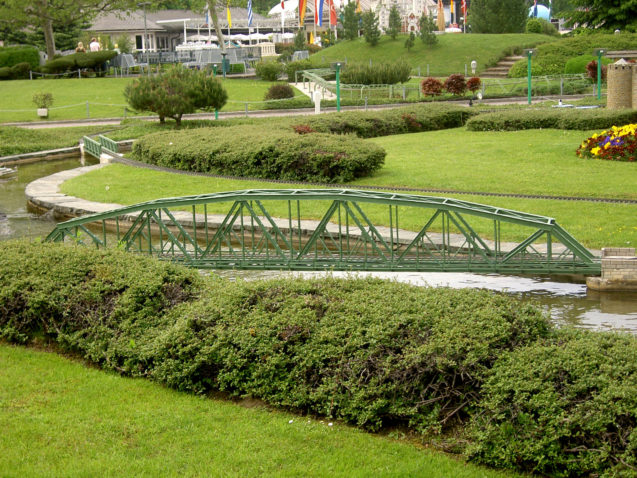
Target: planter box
43	112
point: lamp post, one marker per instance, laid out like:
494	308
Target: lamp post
145	42
599	52
529	54
338	87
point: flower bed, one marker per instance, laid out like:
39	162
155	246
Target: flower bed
614	144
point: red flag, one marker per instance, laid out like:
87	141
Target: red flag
333	18
464	8
302	8
282	4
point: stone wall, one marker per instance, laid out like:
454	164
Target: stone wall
619	270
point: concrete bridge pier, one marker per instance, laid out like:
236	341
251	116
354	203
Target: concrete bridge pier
619	270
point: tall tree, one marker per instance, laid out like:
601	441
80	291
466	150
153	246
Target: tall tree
61	13
410	41
350	21
370	27
498	16
427	29
395	23
607	15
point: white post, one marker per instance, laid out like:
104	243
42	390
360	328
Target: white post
316	97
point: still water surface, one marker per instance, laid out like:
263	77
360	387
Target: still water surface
566	299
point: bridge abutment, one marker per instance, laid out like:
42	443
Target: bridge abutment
619	270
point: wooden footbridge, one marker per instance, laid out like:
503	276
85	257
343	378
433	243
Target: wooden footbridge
335	229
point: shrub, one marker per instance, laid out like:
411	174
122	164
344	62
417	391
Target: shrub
616	144
42	99
431	86
474	84
591	70
279	91
376	74
21	70
540	25
245	151
562	407
456	84
176	92
294	66
6	73
10	56
551	118
89	60
268	70
372	124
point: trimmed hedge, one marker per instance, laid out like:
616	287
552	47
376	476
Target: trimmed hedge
245	151
409	119
19	71
377	74
11	56
562	407
90	59
577	119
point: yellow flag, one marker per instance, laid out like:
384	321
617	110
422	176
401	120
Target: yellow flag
228	13
311	38
358	6
452	7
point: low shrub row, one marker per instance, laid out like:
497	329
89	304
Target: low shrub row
388	73
13	55
245	151
92	60
409	119
562	118
19	71
374	353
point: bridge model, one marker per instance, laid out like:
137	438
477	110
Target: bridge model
349	230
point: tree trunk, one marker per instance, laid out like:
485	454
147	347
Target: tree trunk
215	21
47	26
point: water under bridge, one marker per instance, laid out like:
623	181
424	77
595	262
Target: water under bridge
335	229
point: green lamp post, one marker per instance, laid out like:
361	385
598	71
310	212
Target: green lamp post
599	52
338	87
529	54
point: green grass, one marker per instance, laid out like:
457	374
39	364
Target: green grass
105	97
450	55
59	418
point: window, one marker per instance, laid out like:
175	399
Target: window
138	42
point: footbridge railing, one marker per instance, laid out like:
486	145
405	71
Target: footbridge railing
340	229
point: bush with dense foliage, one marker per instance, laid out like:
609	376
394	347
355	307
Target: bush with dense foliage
579	65
562	407
19	71
371	352
474	83
11	56
246	151
455	84
615	144
570	118
388	73
371	124
176	92
498	16
89	60
292	67
551	57
540	25
268	70
279	91
431	86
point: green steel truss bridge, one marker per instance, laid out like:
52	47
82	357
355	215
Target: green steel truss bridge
348	230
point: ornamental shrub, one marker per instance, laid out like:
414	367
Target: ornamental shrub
176	92
279	91
591	70
571	118
89	60
456	84
11	56
562	407
294	66
389	73
246	152
615	144
431	86
268	70
540	25
474	84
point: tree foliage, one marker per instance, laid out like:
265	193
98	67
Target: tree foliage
604	14
177	92
410	41
498	16
351	20
427	29
371	31
394	23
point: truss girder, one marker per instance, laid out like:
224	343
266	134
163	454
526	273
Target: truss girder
346	235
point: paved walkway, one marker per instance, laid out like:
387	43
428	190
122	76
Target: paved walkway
308	88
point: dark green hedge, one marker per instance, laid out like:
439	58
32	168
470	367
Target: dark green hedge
10	56
90	59
371	352
409	119
247	151
557	118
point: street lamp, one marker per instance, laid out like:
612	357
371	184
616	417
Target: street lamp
599	52
145	42
529	54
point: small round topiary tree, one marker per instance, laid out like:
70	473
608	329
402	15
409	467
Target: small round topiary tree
456	84
279	91
431	86
473	84
268	70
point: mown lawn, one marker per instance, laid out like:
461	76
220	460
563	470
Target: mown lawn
60	418
105	97
526	162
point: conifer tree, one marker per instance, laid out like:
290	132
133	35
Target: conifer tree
394	22
370	28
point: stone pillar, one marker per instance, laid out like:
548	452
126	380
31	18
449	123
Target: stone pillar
619	270
620	85
634	87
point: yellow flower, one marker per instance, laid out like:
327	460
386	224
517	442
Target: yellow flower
595	150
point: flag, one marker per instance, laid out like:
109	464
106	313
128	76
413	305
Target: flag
207	14
535	8
311	38
302	7
318	13
228	13
463	7
250	13
358	6
451	7
282	5
333	19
